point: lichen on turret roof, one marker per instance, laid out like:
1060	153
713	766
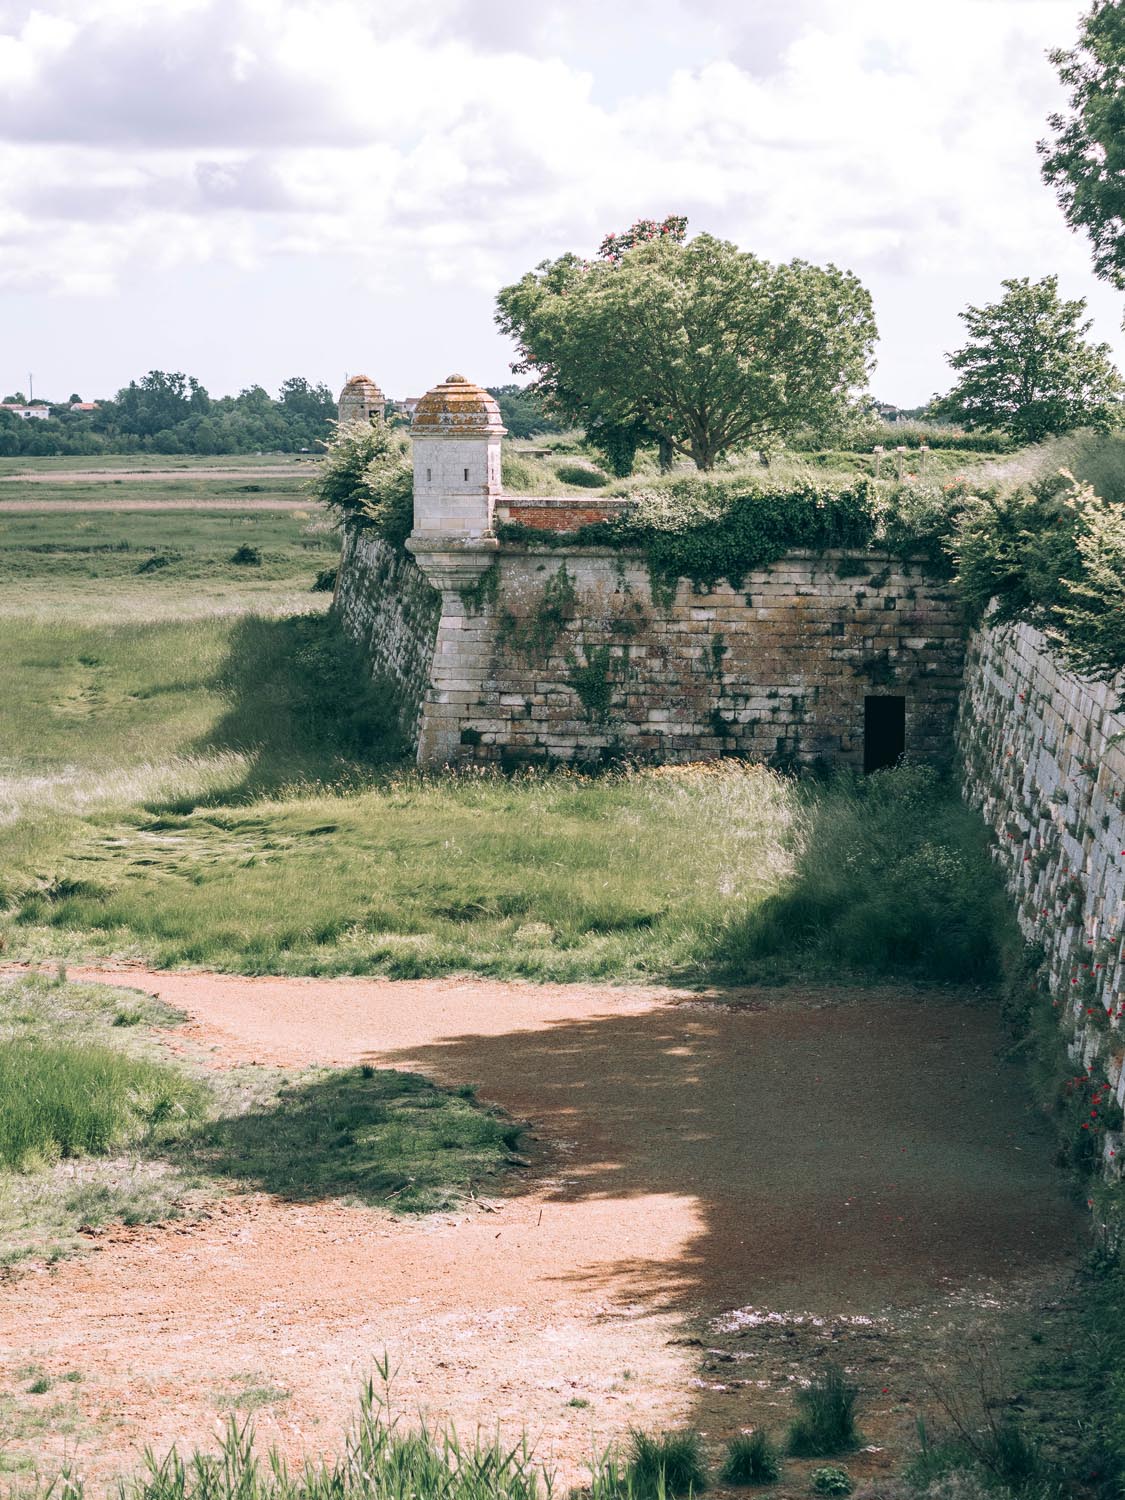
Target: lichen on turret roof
457	405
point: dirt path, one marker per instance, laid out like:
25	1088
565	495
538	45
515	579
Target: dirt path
44	507
117	476
700	1172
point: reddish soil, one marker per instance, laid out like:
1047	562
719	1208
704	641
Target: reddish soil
117	476
717	1195
202	502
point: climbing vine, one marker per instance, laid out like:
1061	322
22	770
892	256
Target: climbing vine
533	635
591	681
477	596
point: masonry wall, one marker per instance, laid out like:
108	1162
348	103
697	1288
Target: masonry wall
1045	764
386	605
583	661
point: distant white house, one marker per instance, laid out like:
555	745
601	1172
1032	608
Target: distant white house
27	413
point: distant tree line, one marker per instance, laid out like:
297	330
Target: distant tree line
173	413
522	411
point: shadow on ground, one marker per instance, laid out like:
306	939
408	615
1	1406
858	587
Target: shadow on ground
832	1159
302	705
388	1139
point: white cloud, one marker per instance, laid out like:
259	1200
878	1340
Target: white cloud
473	140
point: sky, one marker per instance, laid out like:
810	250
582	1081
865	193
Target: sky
252	189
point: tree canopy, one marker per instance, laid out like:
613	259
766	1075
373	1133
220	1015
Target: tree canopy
1027	366
521	410
698	344
1085	161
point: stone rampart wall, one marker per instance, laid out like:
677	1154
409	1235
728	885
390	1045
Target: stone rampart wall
570	656
1045	764
387	606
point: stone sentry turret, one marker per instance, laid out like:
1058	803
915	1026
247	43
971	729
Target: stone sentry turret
361	400
456	433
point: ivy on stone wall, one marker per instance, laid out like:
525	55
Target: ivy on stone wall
591	681
706	533
533	635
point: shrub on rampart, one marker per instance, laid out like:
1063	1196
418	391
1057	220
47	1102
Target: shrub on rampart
912	435
1052	554
367	478
1054	557
713	530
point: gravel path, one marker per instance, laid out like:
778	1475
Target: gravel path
851	1165
44	507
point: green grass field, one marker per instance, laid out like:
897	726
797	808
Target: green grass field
196	770
132	466
173	565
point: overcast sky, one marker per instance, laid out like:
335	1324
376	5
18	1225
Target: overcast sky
251	189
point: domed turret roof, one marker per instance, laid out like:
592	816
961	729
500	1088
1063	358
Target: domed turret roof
361	400
457	407
359	385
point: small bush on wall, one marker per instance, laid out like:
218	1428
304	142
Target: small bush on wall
367	478
1053	556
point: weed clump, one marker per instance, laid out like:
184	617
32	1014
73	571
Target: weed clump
830	1481
825	1422
751	1459
668	1464
68	1099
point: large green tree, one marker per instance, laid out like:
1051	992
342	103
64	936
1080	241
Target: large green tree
1028	368
1085	160
699	344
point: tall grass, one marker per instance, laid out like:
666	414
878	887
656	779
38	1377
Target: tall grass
825	1420
891	877
97	1126
751	1458
380	1460
70	1099
1096	458
666	1465
548	876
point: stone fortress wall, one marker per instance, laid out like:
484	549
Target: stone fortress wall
1043	756
387	607
571	654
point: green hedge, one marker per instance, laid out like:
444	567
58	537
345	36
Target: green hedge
704	532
